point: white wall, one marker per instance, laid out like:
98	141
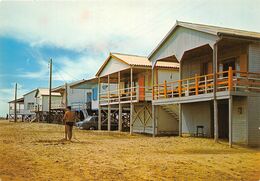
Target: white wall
29	98
77	96
170	75
112	66
166	123
44	102
196	114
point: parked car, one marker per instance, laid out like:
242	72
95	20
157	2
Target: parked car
91	123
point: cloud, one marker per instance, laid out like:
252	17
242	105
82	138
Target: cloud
99	25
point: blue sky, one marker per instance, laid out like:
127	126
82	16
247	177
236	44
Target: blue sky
79	35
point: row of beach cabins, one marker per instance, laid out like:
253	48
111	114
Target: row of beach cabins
200	80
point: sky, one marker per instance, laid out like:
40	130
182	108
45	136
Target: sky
78	35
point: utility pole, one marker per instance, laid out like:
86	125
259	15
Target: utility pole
66	95
50	63
15	102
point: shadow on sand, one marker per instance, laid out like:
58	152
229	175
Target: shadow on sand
61	142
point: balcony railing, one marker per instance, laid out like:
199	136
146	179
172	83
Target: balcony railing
230	80
134	94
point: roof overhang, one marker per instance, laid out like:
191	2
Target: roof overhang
85	84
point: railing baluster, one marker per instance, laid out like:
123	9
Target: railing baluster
230	79
165	89
196	84
206	84
179	88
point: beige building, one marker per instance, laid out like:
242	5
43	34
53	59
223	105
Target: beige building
125	93
218	92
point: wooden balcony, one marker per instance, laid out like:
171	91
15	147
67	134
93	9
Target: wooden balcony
227	81
127	95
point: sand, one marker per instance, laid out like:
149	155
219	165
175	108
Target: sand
35	151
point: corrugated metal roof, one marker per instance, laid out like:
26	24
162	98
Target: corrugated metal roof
143	61
214	30
136	60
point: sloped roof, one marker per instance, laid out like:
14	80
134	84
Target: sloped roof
45	92
216	30
58	89
135	60
20	100
213	30
90	81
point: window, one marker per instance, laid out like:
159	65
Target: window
95	93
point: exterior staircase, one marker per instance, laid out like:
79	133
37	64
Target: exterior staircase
172	109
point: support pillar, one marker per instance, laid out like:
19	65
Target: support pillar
154	120
99	117
180	120
230	105
99	107
131	117
120	117
131	104
215	68
108	117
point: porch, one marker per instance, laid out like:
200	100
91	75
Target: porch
200	88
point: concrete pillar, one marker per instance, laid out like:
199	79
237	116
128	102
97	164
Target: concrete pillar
180	119
230	105
215	68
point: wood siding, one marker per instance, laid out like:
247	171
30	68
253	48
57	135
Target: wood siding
113	66
181	40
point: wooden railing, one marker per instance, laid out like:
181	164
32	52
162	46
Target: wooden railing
126	95
230	80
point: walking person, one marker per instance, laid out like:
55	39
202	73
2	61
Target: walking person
68	120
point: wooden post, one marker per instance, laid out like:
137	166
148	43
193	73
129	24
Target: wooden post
196	84
50	84
109	117
152	83
131	104
120	117
230	79
108	88
15	102
118	83
165	89
180	119
179	88
99	106
108	107
206	84
230	105
131	118
120	105
215	63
